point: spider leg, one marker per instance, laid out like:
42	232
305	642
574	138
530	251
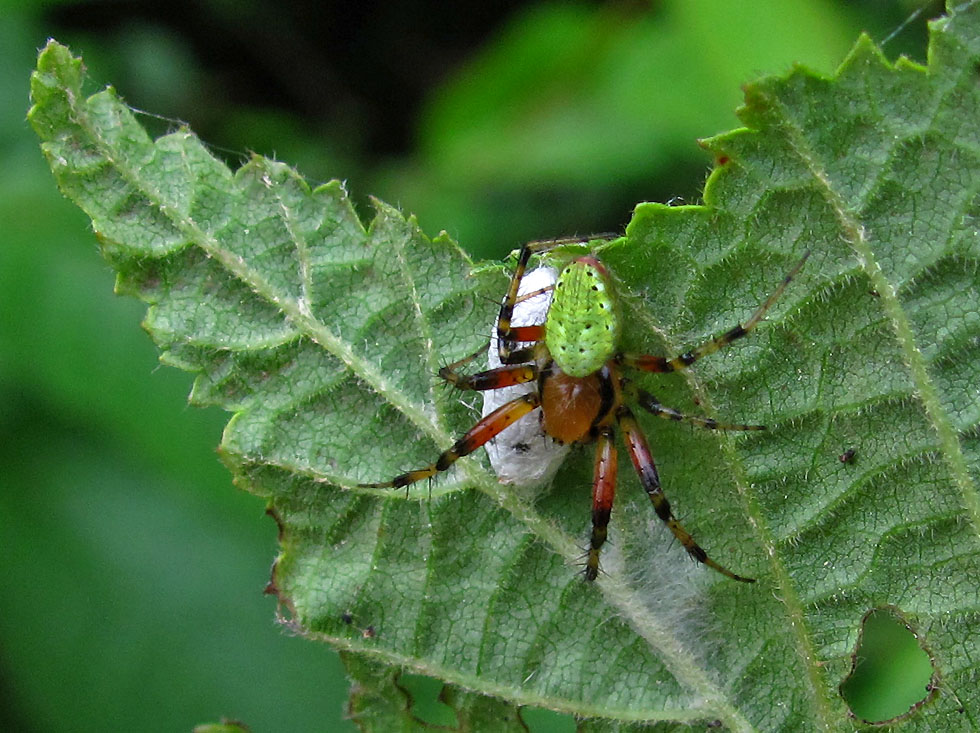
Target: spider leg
603	491
504	376
646	469
649	403
466	359
484	430
648	363
534	293
520	334
507	339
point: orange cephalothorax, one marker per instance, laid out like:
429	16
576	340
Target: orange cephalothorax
569	405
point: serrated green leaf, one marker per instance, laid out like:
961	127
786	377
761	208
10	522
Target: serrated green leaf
322	337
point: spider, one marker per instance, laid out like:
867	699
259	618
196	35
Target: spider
575	362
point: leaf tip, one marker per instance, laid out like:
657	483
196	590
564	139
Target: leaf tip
54	54
56	60
864	52
57	72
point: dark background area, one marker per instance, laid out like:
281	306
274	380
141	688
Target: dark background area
132	571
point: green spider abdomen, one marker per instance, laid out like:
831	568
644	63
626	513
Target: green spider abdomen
582	328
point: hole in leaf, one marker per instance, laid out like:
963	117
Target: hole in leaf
891	674
540	720
427	705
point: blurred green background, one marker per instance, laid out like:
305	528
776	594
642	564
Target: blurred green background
132	571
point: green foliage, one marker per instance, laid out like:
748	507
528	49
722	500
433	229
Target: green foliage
322	336
556	124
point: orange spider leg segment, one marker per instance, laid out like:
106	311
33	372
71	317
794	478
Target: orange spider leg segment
484	431
648	363
603	492
646	469
526	333
505	376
